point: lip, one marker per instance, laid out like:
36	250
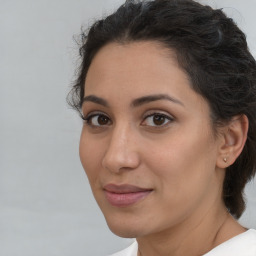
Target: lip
124	195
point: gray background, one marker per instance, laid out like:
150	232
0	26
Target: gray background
46	206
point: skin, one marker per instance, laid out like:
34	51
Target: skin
181	159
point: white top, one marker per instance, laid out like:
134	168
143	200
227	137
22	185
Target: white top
241	245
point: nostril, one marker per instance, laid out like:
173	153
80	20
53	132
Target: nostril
120	161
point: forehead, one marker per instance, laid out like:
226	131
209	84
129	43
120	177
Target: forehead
137	69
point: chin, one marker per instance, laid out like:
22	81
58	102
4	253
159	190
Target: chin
126	227
125	232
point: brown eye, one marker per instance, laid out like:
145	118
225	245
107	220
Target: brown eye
102	120
97	120
157	120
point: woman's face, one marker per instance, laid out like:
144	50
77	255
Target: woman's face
147	144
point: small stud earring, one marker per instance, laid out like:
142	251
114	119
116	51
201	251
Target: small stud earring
225	159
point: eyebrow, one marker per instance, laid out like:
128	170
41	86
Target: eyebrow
150	98
135	103
95	99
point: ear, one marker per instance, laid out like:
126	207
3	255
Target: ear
232	141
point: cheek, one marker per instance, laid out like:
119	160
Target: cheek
184	178
169	156
182	164
90	154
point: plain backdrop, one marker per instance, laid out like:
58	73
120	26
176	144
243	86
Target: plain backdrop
46	206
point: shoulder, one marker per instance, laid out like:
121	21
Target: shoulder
243	244
129	251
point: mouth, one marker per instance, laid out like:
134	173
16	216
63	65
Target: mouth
125	195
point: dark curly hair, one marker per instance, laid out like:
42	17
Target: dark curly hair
213	52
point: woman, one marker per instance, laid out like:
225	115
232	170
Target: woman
167	92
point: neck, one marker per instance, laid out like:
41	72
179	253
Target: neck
195	236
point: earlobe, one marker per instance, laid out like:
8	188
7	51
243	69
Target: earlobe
233	140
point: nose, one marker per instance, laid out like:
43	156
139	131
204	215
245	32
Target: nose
122	152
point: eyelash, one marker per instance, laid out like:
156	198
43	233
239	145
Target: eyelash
89	118
167	119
